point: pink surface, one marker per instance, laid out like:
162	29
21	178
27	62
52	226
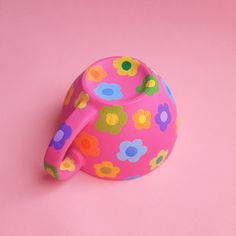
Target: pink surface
45	45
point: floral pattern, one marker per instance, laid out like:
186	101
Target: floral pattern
95	73
67	164
148	86
82	100
131	151
69	95
159	159
62	134
111	119
52	171
108	91
106	169
87	144
163	117
126	66
168	92
142	119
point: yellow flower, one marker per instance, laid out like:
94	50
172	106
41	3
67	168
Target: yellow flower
81	101
67	164
159	159
126	66
142	119
69	95
95	73
106	169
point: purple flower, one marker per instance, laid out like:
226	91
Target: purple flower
62	134
163	117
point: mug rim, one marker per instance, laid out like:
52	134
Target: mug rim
98	100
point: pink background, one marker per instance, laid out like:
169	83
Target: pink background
44	45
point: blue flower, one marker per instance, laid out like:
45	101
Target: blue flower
132	177
131	151
62	134
163	117
168	92
108	91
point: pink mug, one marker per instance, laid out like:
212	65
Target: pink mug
118	122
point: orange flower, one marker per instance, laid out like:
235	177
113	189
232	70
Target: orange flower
106	169
142	119
95	73
69	95
87	144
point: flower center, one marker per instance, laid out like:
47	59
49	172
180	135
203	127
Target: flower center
112	118
58	136
85	143
94	73
50	172
126	65
107	91
142	119
131	151
164	116
159	159
150	83
106	170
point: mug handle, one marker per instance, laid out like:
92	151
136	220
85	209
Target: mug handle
61	161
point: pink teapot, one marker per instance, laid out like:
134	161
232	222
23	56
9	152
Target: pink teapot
118	122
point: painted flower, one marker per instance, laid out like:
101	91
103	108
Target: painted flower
132	177
108	91
67	164
131	151
95	73
52	171
148	86
163	117
168	92
106	169
82	100
111	119
62	134
87	144
142	119
126	66
159	159
69	95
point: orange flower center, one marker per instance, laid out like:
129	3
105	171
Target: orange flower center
85	143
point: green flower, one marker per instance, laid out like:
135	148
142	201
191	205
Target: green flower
111	119
51	170
148	86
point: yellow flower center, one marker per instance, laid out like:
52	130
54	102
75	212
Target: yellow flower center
150	83
142	119
112	118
